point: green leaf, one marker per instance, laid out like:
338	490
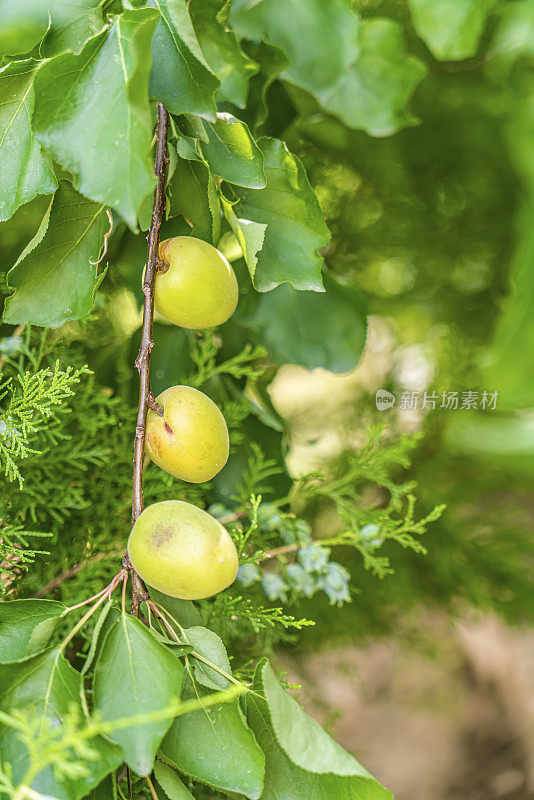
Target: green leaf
215	746
136	674
55	281
232	153
221	50
24	23
273	63
451	29
170	782
301	759
358	71
250	235
312	329
295	226
183	611
72	23
192	193
514	36
180	75
210	646
26	626
92	112
104	791
25	171
47	688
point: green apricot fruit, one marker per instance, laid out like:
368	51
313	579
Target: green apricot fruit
182	551
199	288
190	440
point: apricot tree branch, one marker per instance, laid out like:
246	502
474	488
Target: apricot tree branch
142	362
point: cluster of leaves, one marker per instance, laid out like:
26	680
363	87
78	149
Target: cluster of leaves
211	64
193	724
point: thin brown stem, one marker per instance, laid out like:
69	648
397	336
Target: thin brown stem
154	405
151	787
142	362
279	551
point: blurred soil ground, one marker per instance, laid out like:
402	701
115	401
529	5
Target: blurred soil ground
452	719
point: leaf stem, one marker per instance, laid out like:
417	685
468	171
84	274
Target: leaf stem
83	620
151	787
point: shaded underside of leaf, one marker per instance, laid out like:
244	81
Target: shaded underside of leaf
222	50
56	281
192	193
295	226
72	23
312	329
26	626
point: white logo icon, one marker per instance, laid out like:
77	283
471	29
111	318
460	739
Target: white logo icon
384	400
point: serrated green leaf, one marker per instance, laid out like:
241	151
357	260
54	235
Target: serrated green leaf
92	112
232	153
310	328
358	71
192	193
72	23
106	790
26	626
221	50
150	679
301	759
25	171
171	784
273	62
451	29
55	280
180	75
215	746
295	225
47	688
250	235
211	647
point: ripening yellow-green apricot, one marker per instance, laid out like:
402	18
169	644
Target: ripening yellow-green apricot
199	288
190	440
182	551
